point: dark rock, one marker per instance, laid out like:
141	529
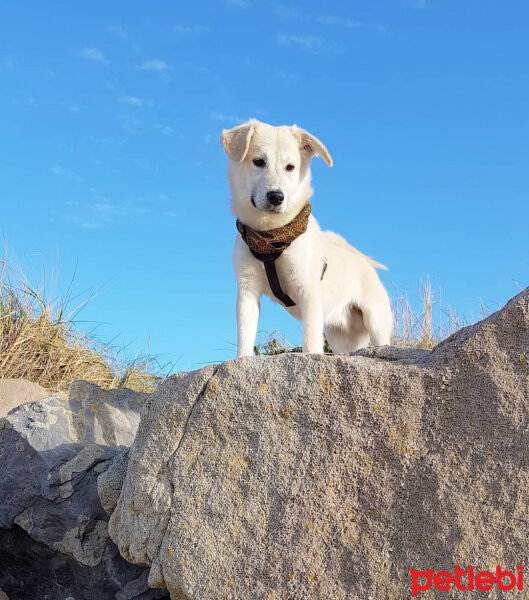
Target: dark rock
54	540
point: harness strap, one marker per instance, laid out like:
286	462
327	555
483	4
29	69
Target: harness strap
269	261
273	280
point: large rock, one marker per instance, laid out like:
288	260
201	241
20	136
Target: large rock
54	540
329	477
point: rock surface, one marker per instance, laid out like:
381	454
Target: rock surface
54	541
328	477
14	392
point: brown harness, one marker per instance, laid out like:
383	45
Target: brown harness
267	246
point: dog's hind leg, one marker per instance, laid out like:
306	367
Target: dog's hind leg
354	337
378	320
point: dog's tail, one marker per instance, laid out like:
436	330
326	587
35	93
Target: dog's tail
376	264
338	240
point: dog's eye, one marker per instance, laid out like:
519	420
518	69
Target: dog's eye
258	162
290	167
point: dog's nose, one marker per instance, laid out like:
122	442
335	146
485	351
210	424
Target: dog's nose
275	197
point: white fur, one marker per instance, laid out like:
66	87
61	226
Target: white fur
350	304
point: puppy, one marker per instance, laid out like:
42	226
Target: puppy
281	251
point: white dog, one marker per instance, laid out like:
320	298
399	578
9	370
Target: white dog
281	251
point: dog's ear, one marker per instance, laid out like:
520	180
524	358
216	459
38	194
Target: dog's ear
236	141
312	145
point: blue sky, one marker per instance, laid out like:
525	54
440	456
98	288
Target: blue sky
110	114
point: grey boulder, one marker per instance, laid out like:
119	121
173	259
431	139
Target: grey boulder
330	477
54	540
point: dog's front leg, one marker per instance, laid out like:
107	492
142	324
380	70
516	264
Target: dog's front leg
312	319
247	317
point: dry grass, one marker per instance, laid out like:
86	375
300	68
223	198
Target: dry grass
39	341
430	324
